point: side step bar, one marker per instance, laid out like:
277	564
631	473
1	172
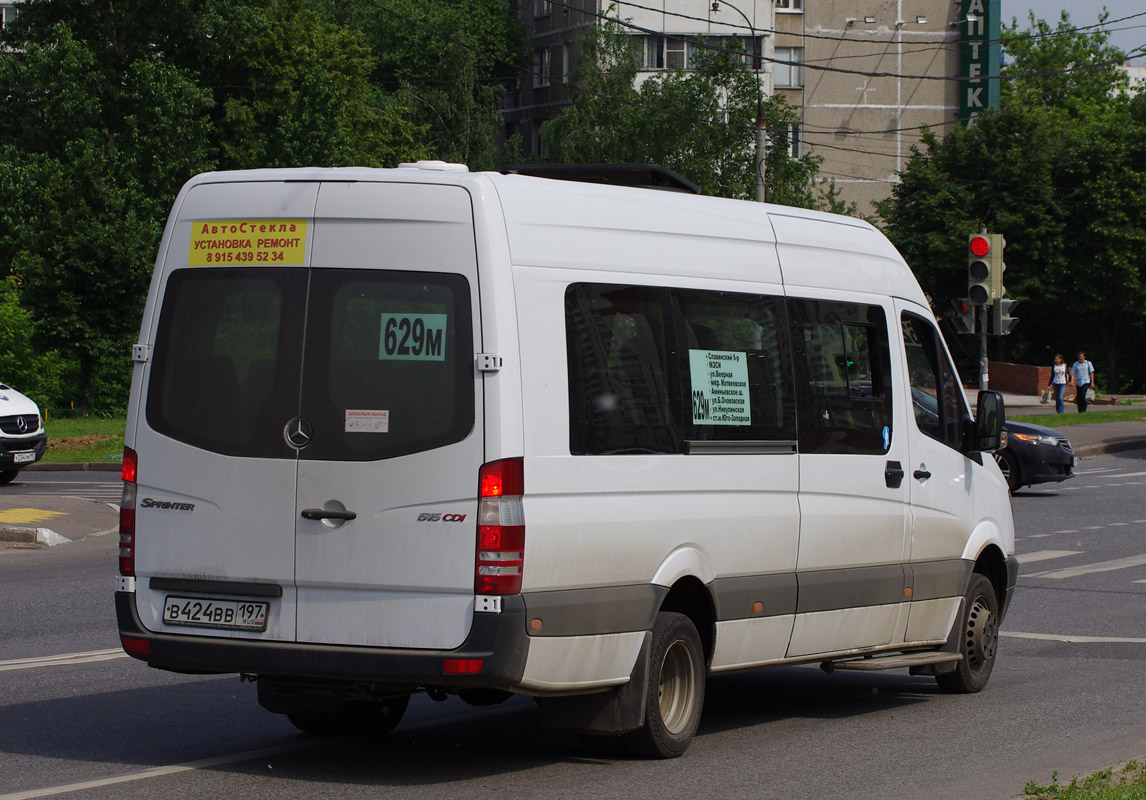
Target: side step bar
890	661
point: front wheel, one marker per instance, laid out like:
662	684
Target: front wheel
675	690
1009	466
979	637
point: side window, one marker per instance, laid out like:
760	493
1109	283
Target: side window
936	398
843	365
738	367
620	353
653	368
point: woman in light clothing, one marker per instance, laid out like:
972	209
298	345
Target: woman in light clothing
1058	382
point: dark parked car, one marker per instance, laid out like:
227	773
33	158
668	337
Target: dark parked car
1034	454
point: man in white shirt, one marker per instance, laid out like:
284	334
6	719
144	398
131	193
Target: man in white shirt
1083	373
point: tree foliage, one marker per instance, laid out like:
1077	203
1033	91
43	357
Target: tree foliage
1060	170
106	109
700	123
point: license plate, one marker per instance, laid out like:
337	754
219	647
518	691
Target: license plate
23	458
200	612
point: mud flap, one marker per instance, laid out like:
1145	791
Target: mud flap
618	710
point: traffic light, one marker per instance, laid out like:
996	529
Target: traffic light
998	291
1001	320
964	315
979	272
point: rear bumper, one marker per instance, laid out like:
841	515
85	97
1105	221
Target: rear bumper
500	640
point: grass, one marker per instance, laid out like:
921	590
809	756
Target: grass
1089	418
88	439
1129	783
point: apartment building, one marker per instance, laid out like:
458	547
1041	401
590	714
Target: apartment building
865	75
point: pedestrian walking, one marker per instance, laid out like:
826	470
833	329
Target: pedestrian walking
1057	383
1082	371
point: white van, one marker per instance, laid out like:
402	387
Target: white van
423	429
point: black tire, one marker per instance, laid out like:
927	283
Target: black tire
978	634
358	719
1009	466
675	690
7	476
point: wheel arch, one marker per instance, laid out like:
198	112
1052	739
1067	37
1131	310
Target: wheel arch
993	565
692	598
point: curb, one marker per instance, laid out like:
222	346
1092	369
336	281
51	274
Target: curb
76	466
1112	446
36	537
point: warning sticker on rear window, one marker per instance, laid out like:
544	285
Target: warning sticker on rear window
719	387
360	420
252	241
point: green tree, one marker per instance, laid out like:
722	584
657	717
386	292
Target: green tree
449	63
297	90
700	122
1059	169
90	161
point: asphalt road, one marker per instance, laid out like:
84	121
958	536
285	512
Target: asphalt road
1065	695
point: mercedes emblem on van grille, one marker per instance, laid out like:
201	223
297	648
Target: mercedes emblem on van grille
297	433
22	424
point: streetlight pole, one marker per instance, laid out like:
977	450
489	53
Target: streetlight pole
761	129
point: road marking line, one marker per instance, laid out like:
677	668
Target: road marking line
1056	637
1090	569
1046	555
251	755
159	772
66	659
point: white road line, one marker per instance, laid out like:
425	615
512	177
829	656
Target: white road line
159	772
251	755
66	659
1046	555
1059	637
1090	569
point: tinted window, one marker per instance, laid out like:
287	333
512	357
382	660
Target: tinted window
389	366
652	368
224	375
936	398
842	368
624	390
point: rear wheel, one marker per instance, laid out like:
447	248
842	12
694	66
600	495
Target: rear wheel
1009	466
675	691
357	719
979	638
8	475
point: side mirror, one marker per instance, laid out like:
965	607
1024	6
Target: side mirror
987	430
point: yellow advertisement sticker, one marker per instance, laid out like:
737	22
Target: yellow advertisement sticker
252	241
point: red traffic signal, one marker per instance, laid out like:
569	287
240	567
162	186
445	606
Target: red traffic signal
980	245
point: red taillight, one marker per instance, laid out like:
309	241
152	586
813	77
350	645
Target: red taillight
127	513
140	647
501	528
462	666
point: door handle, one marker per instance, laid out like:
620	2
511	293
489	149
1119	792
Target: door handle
893	474
322	513
921	474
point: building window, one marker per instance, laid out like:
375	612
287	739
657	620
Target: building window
786	71
565	63
541	65
667	52
543	8
8	15
794	140
789	5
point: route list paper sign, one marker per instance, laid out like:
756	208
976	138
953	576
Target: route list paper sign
719	387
